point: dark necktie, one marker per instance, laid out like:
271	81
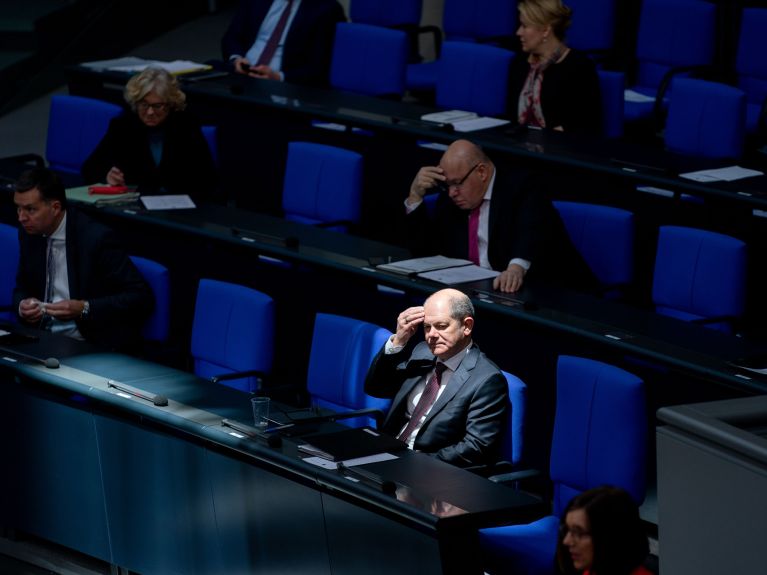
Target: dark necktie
274	39
474	235
425	402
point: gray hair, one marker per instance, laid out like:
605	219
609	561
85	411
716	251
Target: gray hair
156	80
461	307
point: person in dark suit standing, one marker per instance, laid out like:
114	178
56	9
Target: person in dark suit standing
514	229
449	399
302	48
72	276
157	146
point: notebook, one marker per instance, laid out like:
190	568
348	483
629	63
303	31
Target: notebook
350	444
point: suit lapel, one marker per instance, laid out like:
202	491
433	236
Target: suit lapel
454	385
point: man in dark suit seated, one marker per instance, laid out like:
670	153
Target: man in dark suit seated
449	399
72	277
494	218
302	47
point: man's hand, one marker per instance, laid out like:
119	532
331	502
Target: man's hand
115	177
31	310
426	178
241	65
407	324
264	72
65	309
511	279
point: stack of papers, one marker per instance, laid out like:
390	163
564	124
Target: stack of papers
463	120
132	64
729	174
440	269
82	194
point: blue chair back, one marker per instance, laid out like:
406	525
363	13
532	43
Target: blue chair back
750	65
699	274
233	331
9	263
604	236
157	327
600	430
612	86
513	441
388	14
593	25
482	83
323	184
480	20
600	437
672	33
706	119
75	127
211	137
342	351
369	60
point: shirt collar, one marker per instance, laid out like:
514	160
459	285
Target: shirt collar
61	231
455	361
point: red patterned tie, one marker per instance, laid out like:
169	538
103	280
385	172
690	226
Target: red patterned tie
428	396
274	39
474	235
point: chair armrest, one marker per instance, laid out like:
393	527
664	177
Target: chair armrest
436	33
515	476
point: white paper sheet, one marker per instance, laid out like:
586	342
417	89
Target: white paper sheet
170	202
728	174
482	123
458	275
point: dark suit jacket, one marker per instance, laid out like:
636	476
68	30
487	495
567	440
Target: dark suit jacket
308	46
523	224
570	94
186	166
99	271
465	425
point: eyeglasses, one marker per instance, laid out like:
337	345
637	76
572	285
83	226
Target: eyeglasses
156	107
576	533
460	182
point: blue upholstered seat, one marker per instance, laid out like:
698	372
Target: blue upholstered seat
369	60
323	185
604	236
342	351
9	263
600	435
157	327
481	85
75	127
232	332
700	276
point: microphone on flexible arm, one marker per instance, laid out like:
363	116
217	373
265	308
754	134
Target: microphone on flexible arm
49	362
155	398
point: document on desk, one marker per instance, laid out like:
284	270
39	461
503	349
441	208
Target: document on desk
481	123
729	174
418	265
169	202
175	67
458	275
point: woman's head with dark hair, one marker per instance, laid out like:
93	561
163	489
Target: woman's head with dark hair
601	531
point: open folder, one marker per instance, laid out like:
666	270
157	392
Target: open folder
440	269
350	444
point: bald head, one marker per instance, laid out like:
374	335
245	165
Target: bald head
468	172
448	322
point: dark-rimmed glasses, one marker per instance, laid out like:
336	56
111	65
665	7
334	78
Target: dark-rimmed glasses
460	182
156	107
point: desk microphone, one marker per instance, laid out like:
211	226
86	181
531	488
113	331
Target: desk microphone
157	399
49	362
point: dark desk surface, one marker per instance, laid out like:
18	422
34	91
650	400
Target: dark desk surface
429	492
639	165
690	348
